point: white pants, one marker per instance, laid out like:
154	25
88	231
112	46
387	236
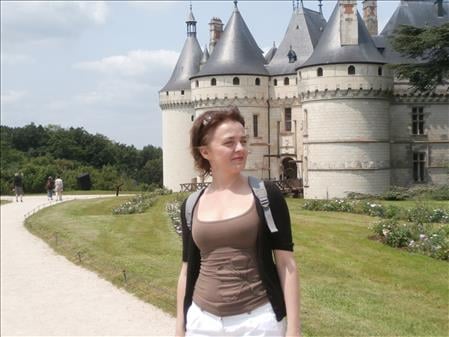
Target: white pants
259	322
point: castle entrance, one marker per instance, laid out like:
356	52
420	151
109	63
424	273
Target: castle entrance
289	168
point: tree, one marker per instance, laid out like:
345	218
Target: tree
428	50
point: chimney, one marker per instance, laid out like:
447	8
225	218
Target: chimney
370	16
440	9
215	28
349	34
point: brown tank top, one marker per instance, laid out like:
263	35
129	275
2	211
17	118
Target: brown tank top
229	282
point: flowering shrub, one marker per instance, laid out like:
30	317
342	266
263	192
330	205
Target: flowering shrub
334	205
402	193
424	239
139	203
173	210
373	209
423	215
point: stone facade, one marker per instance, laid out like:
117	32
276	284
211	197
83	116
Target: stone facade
342	127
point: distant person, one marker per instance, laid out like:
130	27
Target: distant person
50	186
59	188
18	186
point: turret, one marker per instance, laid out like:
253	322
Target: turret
177	112
345	90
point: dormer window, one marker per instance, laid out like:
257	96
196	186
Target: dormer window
351	70
379	71
319	72
275	82
291	56
257	81
213	82
236	81
286	81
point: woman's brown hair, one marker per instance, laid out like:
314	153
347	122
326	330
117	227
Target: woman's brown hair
202	129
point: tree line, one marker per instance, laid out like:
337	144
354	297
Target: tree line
40	151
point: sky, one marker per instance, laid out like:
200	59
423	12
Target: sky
99	65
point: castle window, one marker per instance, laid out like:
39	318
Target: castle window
255	125
379	71
197	84
235	81
419	166
299	75
351	70
288	119
286	81
275	82
182	92
257	81
418	120
166	93
213	82
192	118
319	72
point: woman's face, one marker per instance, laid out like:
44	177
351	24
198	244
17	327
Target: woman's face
227	149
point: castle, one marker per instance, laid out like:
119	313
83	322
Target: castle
323	107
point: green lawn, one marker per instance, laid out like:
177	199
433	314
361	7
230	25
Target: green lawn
350	285
3	201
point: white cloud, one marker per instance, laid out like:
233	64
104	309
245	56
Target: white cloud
115	93
41	21
135	63
12	96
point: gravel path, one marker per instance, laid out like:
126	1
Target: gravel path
42	293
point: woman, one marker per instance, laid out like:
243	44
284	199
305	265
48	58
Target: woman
229	284
50	186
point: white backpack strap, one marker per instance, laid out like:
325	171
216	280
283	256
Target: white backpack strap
260	191
190	204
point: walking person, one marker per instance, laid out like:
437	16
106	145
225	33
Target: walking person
50	186
59	188
229	284
18	186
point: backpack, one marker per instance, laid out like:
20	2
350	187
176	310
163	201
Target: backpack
259	190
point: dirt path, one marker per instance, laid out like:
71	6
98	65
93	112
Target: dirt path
44	294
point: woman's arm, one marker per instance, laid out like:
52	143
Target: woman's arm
288	275
181	290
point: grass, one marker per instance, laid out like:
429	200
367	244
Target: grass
350	285
3	201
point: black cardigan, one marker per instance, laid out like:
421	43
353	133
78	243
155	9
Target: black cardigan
265	244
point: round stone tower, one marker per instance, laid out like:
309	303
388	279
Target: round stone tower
178	113
235	74
345	90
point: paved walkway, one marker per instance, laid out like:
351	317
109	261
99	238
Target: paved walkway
42	293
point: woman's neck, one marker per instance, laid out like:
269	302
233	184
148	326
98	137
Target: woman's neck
228	182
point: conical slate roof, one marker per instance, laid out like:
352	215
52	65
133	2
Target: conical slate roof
414	13
303	33
188	65
270	54
205	55
236	52
330	51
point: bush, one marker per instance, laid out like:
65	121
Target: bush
424	239
422	214
334	205
140	203
396	193
373	209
